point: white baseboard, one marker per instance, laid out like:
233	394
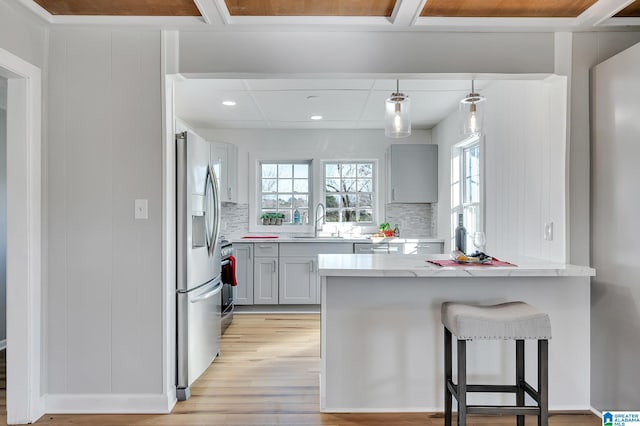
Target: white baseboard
596	412
3	344
109	404
559	409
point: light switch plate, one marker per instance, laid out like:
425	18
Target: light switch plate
548	231
141	209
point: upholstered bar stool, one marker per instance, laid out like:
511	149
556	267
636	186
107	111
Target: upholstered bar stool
507	321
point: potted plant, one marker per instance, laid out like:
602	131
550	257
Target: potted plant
265	218
279	218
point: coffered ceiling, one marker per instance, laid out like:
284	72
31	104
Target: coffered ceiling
461	15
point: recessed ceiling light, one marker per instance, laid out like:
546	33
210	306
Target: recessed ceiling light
316	117
228	103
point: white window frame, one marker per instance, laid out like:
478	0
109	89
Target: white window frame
255	203
458	204
374	190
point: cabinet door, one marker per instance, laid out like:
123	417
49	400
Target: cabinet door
414	173
298	280
265	280
243	292
225	163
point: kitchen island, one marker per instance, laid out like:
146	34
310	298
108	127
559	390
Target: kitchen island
381	334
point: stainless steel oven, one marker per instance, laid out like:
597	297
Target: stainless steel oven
228	282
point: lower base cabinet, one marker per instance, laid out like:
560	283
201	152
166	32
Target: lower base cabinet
298	280
243	292
265	281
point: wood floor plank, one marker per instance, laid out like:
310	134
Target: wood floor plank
268	374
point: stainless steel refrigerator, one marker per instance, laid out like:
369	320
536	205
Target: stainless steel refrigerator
199	280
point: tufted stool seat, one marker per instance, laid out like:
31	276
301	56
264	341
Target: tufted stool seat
517	321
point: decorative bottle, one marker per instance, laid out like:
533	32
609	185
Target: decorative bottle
396	231
296	217
461	235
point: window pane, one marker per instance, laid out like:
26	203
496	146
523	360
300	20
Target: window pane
348	185
348	170
269	170
300	201
331	170
300	185
332	201
304	216
333	185
365	216
269	185
285	185
301	171
269	202
365	200
333	216
365	185
285	200
349	200
285	170
365	170
348	215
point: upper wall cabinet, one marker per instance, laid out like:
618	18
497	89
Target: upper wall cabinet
413	173
225	160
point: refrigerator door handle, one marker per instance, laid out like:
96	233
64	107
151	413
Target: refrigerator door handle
208	294
212	201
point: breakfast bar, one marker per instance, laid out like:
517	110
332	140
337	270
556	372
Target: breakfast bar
382	338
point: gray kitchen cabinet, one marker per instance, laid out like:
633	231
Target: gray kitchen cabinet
432	247
265	274
243	292
225	161
298	280
413	173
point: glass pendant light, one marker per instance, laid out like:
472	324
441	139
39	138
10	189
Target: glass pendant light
397	122
472	113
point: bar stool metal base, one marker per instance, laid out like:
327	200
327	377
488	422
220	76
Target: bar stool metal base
459	391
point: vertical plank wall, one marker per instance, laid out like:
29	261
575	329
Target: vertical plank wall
104	306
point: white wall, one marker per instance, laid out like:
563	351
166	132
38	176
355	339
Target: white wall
364	52
615	294
22	34
588	49
523	151
104	305
3	210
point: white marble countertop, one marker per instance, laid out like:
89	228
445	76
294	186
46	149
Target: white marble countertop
311	239
387	265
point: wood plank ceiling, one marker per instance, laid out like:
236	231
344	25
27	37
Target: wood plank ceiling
379	8
120	7
506	9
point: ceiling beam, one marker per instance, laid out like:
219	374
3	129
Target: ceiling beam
213	11
600	12
406	12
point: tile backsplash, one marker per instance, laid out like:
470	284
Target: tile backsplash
414	220
235	219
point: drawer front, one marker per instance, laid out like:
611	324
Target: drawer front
430	248
265	249
314	249
359	248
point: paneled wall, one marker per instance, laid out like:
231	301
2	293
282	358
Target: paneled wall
104	306
615	294
3	212
524	168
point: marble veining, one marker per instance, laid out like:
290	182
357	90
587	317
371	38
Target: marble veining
372	265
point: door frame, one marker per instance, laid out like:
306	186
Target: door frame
25	403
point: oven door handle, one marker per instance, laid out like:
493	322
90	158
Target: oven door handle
225	262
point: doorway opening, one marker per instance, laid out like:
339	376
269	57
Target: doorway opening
24	400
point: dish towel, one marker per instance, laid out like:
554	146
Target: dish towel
230	273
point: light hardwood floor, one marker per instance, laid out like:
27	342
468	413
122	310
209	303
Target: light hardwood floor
268	375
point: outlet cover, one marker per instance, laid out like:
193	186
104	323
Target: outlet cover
141	209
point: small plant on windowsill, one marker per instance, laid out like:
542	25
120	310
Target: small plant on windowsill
265	217
272	218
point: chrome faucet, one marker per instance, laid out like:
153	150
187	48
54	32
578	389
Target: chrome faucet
316	220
